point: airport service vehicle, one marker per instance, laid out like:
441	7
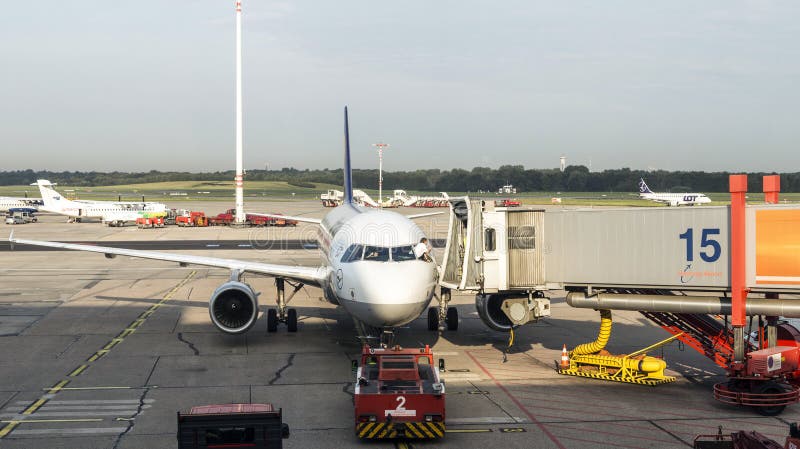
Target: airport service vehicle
110	212
15	220
27	217
373	275
747	440
191	219
671	199
402	198
149	222
399	394
507	203
228	217
258	426
333	198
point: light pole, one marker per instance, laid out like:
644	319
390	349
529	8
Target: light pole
380	147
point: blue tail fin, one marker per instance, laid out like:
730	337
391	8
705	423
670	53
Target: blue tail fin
348	174
643	186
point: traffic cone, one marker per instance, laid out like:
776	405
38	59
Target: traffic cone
564	358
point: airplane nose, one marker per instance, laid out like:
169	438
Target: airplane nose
392	294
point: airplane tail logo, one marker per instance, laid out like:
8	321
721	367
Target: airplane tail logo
643	186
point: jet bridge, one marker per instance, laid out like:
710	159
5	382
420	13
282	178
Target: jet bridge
698	272
511	256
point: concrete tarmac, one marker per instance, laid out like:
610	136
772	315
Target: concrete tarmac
101	353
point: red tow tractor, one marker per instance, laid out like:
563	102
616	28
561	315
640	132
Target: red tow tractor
399	394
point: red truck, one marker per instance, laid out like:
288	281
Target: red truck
149	222
227	218
192	219
507	203
399	394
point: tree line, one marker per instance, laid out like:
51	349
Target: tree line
575	178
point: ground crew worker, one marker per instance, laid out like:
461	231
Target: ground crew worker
421	250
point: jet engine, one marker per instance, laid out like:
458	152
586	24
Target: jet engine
500	312
234	307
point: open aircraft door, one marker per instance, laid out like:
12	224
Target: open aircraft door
461	267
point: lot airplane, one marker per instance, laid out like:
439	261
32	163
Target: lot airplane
671	199
113	213
368	267
11	204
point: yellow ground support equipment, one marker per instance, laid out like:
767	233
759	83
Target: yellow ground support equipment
591	360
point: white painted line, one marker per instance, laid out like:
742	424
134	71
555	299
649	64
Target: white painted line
69	414
448	353
487	420
460	376
69	431
60	408
94	401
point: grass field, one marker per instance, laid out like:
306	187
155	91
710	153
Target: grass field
178	190
276	190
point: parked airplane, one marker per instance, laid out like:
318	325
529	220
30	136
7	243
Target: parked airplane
369	267
112	213
671	199
11	204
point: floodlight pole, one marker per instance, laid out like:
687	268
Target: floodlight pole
238	180
380	147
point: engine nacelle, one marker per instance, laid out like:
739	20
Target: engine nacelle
233	307
500	312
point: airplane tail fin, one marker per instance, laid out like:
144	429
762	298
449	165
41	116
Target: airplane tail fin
51	198
643	186
348	173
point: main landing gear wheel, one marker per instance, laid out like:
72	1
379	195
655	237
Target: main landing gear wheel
433	318
291	320
272	320
452	319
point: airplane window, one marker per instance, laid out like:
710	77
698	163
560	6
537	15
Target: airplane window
402	253
353	253
376	253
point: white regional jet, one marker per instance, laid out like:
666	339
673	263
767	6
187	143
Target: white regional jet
112	213
368	267
12	204
671	199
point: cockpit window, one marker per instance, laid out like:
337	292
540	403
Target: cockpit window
401	253
353	253
376	253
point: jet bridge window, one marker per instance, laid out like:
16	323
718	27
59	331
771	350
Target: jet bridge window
489	243
353	253
521	237
376	253
403	253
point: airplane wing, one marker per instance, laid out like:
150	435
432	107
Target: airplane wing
289	217
426	214
306	275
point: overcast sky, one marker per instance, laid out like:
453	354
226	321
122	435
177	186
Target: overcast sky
140	85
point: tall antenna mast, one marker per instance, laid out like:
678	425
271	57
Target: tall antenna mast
238	179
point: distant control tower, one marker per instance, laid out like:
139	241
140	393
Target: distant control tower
240	217
563	163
